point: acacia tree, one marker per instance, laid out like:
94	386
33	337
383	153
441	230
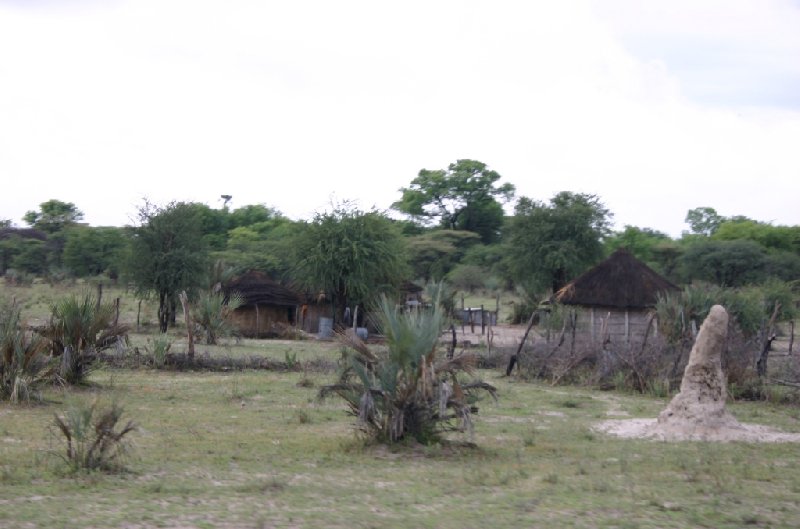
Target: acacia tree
462	197
351	255
168	254
53	215
548	244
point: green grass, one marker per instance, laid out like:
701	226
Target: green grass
255	449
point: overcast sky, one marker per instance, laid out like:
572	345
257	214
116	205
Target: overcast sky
656	106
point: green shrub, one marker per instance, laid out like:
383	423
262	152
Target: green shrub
23	363
213	312
158	349
78	326
406	390
92	438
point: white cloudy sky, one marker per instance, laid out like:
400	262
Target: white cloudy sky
656	106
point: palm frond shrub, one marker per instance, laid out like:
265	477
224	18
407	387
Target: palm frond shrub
407	390
213	312
158	349
92	436
76	327
24	365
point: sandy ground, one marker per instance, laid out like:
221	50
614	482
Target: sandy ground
650	429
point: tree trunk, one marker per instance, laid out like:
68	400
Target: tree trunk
163	312
769	336
514	357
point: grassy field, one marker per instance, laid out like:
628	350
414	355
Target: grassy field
255	449
251	449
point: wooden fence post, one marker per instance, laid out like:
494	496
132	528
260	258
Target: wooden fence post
189	330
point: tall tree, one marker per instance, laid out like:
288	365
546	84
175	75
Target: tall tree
168	254
53	216
703	220
351	255
725	263
641	242
92	251
549	244
462	197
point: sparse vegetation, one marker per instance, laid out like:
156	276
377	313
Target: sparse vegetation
79	325
24	366
213	311
408	390
92	436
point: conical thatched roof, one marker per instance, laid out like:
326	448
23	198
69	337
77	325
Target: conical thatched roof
621	282
258	288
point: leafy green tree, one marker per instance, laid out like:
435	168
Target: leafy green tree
168	254
435	252
53	216
213	224
784	266
462	197
725	263
549	244
641	242
252	214
782	238
703	220
266	246
30	256
351	255
91	251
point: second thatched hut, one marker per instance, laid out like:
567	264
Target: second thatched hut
615	300
268	307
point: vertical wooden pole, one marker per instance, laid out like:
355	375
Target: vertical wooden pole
116	312
462	313
791	336
627	327
483	321
99	294
138	314
189	330
547	316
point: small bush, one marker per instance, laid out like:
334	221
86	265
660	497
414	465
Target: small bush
79	326
407	391
213	312
93	440
23	364
158	349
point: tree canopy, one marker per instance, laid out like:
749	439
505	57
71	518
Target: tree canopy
53	215
549	244
168	254
462	197
351	255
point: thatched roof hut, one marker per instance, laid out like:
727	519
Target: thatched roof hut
620	282
267	305
615	299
